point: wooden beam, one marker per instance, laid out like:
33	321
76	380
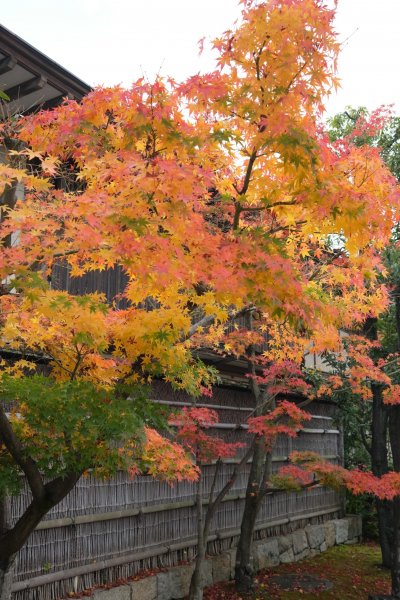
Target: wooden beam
28	87
48	104
7	64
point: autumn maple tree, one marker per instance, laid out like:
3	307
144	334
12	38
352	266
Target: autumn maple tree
217	197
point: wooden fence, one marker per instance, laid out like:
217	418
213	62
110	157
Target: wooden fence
106	530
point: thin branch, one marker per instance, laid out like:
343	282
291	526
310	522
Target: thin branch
348	115
305	402
79	358
66	253
305	486
249	170
365	441
266	477
285	227
222	493
214	482
266	206
210	319
204	322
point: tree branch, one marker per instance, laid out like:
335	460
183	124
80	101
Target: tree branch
266	477
214	482
13	539
266	206
27	464
364	441
304	486
204	322
222	493
249	170
210	319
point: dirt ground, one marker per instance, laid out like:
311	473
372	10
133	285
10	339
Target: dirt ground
350	573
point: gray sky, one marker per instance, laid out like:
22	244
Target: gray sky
116	41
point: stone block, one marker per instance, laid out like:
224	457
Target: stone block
352	542
221	567
285	542
206	573
342	530
302	555
179	581
355	526
300	542
163	586
330	534
144	589
287	557
323	547
315	535
121	592
267	553
232	554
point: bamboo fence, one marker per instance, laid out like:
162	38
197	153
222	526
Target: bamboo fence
107	530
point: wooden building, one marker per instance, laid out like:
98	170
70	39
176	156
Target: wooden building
31	79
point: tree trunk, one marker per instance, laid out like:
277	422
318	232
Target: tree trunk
12	539
204	521
196	583
379	464
384	509
244	572
6	566
394	429
395	570
394	433
379	455
6	577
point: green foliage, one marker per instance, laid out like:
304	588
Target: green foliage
354	417
364	505
389	142
73	426
148	412
386	138
342	125
10	480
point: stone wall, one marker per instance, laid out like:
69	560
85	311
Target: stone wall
269	552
